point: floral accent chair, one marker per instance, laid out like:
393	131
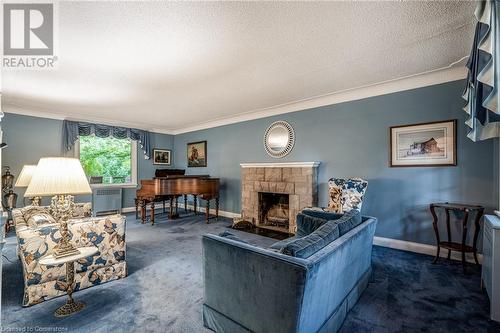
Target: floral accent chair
38	236
346	194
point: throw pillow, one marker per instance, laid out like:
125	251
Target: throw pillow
307	246
307	224
40	219
279	245
29	211
231	236
82	210
349	221
321	213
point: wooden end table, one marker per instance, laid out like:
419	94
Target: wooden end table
49	260
462	247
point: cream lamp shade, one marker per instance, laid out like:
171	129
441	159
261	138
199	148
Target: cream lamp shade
25	176
58	176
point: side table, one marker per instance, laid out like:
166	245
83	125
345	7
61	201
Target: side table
49	260
454	246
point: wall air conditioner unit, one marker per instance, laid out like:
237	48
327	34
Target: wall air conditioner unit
106	201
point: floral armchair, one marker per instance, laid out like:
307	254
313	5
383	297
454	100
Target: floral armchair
344	195
37	235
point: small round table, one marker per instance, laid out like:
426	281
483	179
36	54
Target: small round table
49	260
454	246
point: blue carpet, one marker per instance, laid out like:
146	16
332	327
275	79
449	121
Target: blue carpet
164	289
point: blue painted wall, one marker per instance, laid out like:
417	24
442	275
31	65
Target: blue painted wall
30	138
352	139
349	139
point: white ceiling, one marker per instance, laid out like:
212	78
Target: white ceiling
169	66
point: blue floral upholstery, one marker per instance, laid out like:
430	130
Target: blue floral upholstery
45	282
346	194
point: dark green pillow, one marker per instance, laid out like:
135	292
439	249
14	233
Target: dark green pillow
307	224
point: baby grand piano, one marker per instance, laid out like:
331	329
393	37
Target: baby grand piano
170	184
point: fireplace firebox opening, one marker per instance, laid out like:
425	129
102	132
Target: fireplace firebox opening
274	210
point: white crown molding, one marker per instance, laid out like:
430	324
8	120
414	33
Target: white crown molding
281	165
377	89
420	80
41	113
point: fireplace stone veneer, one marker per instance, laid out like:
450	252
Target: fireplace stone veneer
297	179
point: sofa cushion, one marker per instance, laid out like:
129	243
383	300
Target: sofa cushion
279	245
228	235
306	246
348	221
40	220
321	213
307	224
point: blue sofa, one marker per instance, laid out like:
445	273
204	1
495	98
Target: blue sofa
251	289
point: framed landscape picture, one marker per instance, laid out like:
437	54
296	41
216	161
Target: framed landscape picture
161	156
428	144
197	154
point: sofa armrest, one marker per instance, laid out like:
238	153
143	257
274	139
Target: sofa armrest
256	288
337	269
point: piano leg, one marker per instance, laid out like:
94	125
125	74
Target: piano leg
136	202
195	197
152	212
143	211
176	206
185	203
217	208
164	206
171	212
207	212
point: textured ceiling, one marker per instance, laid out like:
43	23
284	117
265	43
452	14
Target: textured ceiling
171	65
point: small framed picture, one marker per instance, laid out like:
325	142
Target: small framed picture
161	156
197	154
427	144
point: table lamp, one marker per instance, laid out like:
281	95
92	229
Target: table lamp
24	180
62	178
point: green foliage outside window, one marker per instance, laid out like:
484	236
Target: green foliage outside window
107	157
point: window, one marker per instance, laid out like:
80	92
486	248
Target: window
115	160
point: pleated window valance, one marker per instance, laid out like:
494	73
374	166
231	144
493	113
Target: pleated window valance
73	129
483	79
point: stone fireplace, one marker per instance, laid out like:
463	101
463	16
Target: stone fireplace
273	193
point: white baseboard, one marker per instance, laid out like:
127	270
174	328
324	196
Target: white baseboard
422	248
181	206
380	241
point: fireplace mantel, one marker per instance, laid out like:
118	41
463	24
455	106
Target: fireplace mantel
281	165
